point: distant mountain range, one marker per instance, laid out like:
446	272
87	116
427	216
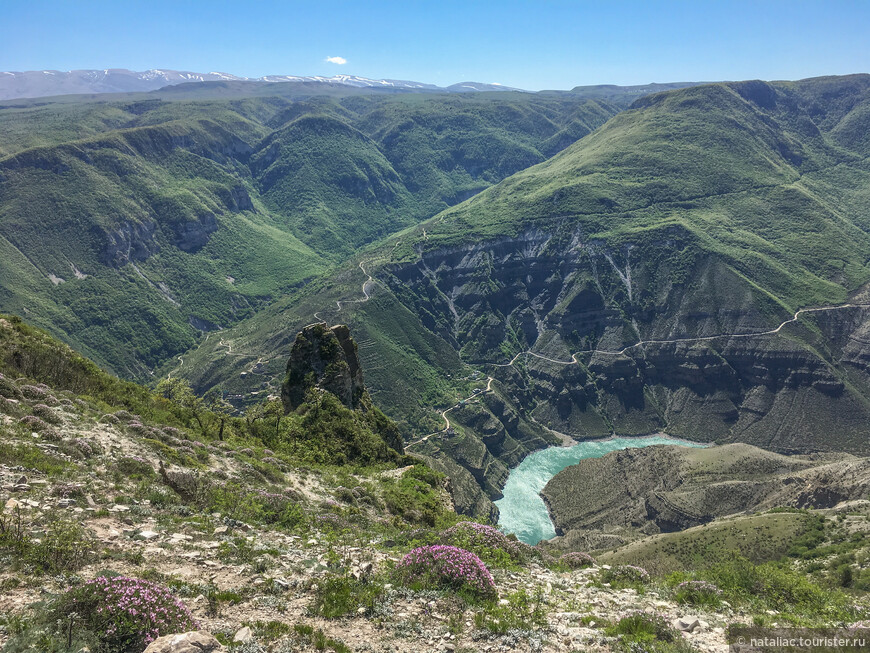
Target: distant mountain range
44	83
49	83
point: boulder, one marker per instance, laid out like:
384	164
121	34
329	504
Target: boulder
147	535
193	642
243	635
686	624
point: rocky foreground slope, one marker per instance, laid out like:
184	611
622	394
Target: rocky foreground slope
270	543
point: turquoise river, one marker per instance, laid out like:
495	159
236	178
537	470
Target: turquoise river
522	510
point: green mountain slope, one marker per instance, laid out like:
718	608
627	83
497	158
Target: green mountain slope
715	210
132	226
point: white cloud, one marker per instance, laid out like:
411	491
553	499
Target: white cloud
339	60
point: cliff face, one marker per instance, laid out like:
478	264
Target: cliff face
707	366
324	358
582	308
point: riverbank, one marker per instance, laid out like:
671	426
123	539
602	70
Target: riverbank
523	512
605	502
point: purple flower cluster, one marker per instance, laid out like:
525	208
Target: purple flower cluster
141	430
33	423
578	560
83	447
35	391
67	490
263	495
697	592
626	575
130	613
481	539
447	566
273	504
45	413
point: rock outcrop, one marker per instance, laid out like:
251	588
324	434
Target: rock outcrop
193	235
324	358
129	242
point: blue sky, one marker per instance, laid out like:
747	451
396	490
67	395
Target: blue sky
531	45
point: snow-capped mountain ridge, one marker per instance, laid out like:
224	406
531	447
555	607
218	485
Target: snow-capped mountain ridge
42	83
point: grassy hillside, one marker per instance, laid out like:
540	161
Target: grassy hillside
131	226
740	167
734	175
711	210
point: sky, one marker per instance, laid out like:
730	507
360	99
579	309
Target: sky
532	45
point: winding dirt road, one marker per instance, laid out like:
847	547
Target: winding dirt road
455	406
622	351
366	296
641	343
365	291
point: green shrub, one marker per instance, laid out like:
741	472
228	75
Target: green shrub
134	467
642	627
65	547
698	592
522	612
10	407
315	638
412	498
9	389
337	596
777	586
32	457
270	631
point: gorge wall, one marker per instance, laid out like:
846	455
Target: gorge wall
577	307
